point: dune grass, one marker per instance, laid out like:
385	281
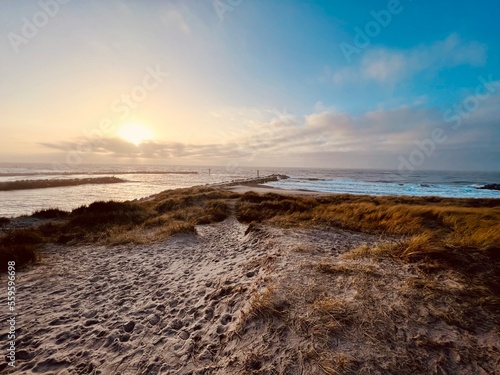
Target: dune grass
373	316
169	213
4	221
439	234
50	213
433	221
449	232
383	307
20	246
173	212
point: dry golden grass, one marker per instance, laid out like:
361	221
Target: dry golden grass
169	213
463	234
430	225
439	234
467	222
373	315
365	311
266	304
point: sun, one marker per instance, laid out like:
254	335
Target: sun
135	133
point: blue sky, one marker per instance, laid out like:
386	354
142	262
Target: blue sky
253	82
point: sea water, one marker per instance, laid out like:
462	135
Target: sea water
140	182
378	182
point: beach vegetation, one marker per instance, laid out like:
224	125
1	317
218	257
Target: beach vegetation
20	246
133	222
438	234
50	213
4	221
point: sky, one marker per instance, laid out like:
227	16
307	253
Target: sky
398	84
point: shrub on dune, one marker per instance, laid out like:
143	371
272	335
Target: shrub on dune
50	213
20	246
214	212
103	214
4	221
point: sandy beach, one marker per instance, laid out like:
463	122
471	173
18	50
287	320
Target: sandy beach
239	298
167	308
263	189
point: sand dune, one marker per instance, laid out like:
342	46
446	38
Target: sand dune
162	308
236	299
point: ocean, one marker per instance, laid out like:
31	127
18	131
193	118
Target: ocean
141	182
450	184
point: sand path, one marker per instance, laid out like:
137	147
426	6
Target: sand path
162	308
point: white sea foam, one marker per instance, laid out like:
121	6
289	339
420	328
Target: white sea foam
388	188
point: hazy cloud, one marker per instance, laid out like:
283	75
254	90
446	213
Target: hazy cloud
385	65
381	132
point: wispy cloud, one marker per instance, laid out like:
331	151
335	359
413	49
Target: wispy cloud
323	132
389	66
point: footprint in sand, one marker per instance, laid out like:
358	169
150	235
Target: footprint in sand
184	334
129	327
226	319
51	364
153	320
209	314
176	324
89	314
90	322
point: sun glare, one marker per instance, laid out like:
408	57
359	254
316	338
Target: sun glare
135	133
